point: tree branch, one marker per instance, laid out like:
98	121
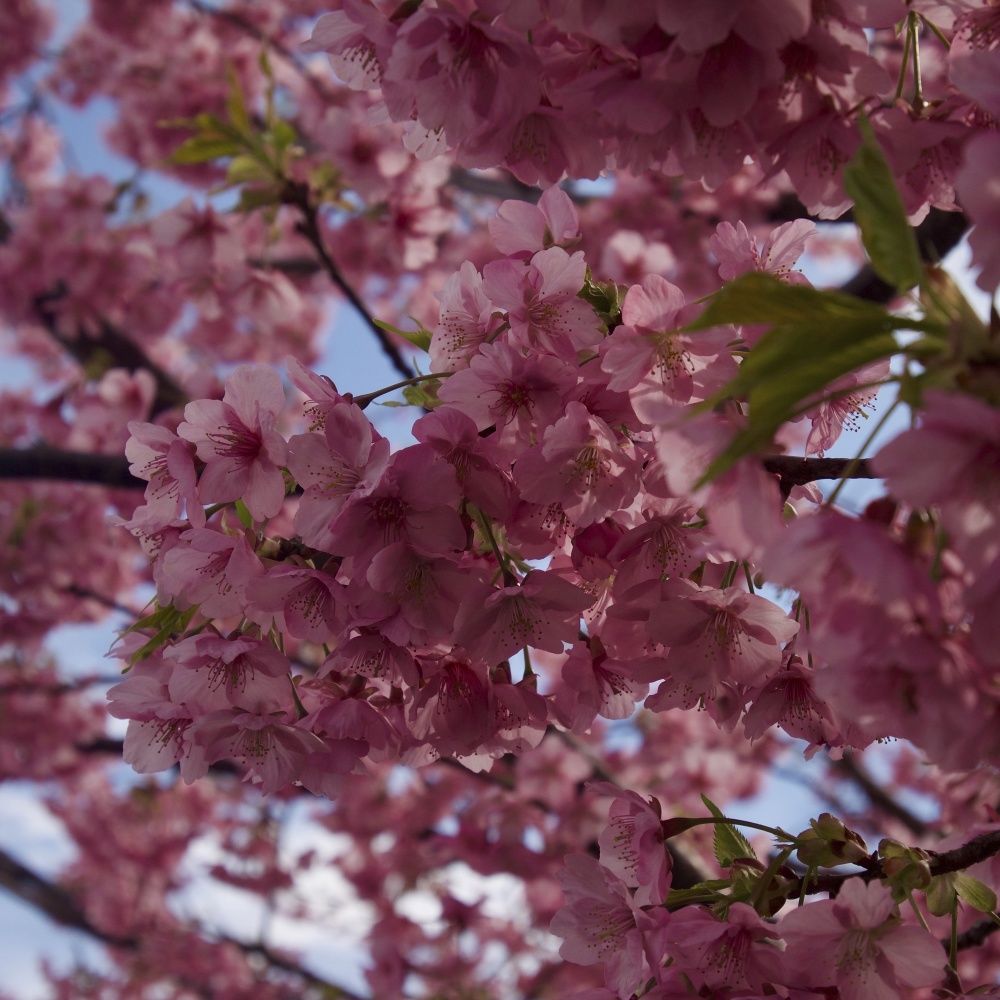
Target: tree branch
44	462
850	766
297	195
110	348
795	471
59	906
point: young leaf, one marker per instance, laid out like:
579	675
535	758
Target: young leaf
880	215
419	338
970	890
730	844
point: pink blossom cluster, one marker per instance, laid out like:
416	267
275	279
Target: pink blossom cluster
548	89
857	944
418	572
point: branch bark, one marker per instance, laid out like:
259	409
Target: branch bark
43	462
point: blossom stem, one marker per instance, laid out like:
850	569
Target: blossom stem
362	401
504	564
918	95
901	82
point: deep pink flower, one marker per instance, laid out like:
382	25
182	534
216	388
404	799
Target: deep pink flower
415	501
346	460
542	611
237	441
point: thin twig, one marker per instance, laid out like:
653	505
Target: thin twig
308	226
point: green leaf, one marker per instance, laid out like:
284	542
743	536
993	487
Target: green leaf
167	621
252	198
203	149
243	514
704	892
880	214
816	338
980	897
244	169
420	337
236	106
424	394
730	844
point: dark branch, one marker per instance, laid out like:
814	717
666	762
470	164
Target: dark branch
795	471
939	233
298	196
877	795
43	462
59	906
109	348
975	935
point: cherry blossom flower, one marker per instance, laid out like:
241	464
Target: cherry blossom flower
542	611
857	943
633	847
237	440
602	923
717	636
165	461
541	302
274	751
466	321
581	464
211	673
520	229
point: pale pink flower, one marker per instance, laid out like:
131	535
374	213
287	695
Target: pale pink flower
209	569
358	39
719	636
518	395
857	943
738	252
303	602
212	673
593	684
737	953
165	461
854	392
274	751
978	186
466	321
542	304
237	440
601	923
656	365
633	847
320	392
520	229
